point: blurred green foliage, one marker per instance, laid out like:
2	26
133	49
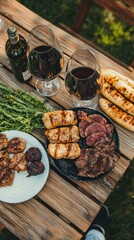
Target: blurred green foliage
100	26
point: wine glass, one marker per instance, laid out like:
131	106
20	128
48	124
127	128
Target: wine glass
83	78
45	59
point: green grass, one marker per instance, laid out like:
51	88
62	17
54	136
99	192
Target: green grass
117	38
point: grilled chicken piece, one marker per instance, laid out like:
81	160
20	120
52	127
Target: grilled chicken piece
3	153
68	150
18	162
59	118
16	145
3	141
4	162
63	134
6	177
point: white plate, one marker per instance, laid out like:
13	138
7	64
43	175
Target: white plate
23	187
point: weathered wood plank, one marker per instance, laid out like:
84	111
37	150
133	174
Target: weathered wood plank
40	223
69	202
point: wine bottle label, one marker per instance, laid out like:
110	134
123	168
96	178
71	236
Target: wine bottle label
26	75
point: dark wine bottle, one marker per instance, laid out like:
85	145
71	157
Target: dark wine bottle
16	50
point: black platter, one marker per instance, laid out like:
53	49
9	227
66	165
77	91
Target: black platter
66	166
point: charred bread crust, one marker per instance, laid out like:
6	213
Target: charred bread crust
121	83
117	98
118	115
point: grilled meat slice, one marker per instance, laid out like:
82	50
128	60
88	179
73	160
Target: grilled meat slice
59	118
94	137
6	177
16	145
19	162
94	128
63	134
60	150
4	153
4	162
3	141
94	162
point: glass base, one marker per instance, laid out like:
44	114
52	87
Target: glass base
46	88
93	103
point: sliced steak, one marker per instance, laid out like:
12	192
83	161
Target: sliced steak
94	128
82	127
98	118
94	138
109	129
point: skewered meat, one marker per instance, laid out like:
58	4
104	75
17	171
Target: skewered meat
3	153
16	145
59	118
6	177
3	141
68	150
33	154
35	168
4	162
18	162
63	134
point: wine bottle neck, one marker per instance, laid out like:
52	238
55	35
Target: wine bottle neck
13	35
14	40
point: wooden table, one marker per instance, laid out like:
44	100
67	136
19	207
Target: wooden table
64	209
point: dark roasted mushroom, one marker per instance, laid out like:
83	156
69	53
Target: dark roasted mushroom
35	168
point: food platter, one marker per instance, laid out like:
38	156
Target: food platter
67	167
23	187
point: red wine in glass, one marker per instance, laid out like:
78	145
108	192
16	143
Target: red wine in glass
45	62
82	83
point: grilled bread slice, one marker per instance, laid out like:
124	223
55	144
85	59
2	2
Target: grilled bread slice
60	150
118	115
117	98
63	134
59	118
119	82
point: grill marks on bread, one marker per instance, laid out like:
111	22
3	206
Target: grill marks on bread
118	115
117	98
118	81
